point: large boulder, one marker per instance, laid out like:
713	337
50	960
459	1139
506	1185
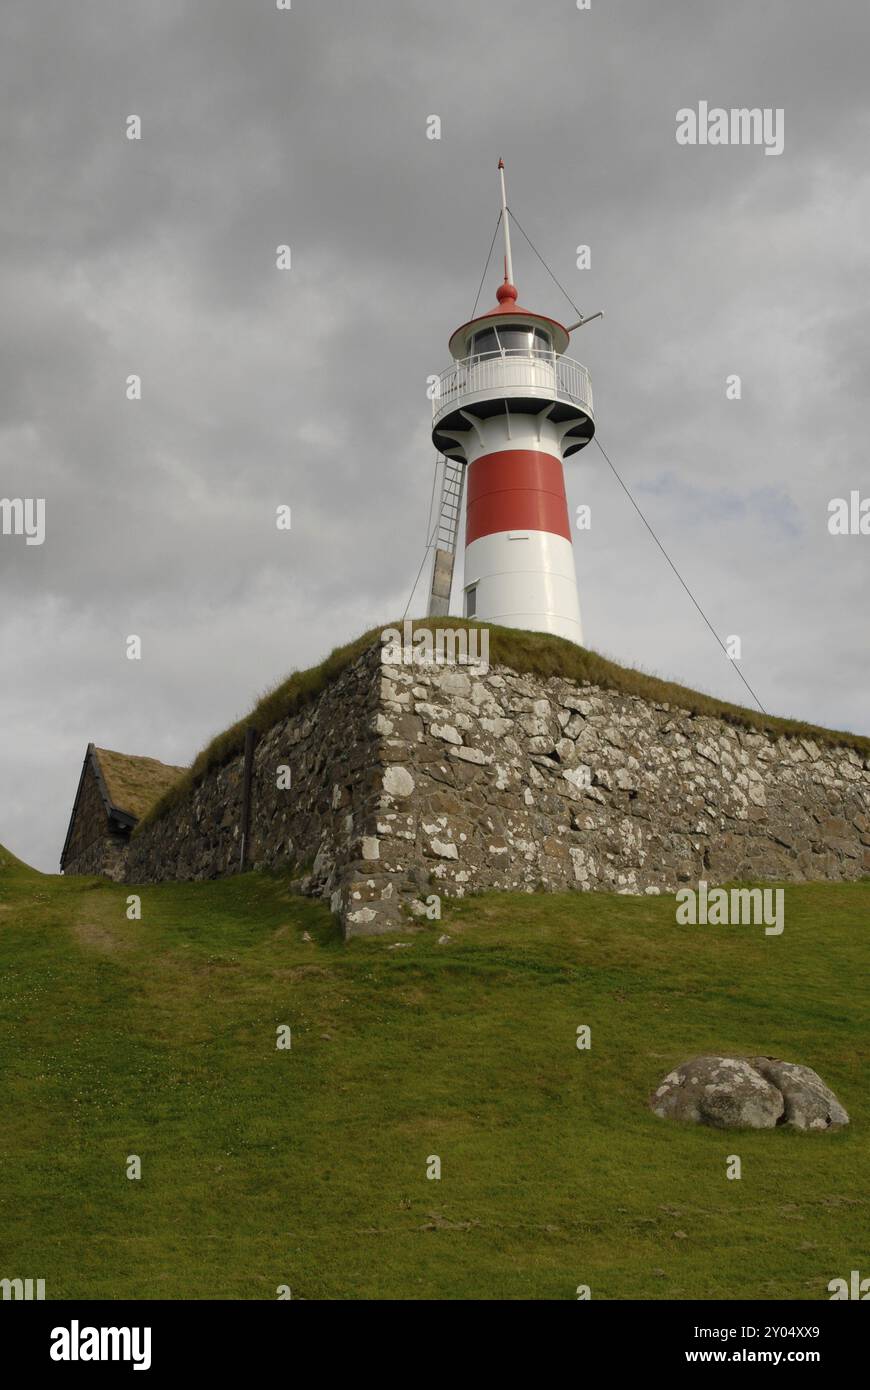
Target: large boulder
726	1092
747	1093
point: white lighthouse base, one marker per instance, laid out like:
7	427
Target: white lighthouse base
524	579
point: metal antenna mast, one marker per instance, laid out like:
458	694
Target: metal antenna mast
508	263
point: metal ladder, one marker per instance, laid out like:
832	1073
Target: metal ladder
445	537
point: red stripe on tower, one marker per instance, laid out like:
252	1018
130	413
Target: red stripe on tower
516	490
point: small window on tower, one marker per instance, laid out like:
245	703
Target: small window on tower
471	601
485	342
515	338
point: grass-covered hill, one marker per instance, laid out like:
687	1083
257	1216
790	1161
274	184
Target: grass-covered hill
307	1167
535	653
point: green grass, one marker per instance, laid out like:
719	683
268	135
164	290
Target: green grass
307	1167
532	653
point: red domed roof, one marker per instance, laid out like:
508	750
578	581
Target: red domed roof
506	294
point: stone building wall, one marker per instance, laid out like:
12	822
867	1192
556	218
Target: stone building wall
106	856
93	848
413	781
317	828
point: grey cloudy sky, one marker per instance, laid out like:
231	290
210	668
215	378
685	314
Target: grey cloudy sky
308	387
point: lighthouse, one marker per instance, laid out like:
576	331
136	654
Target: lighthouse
506	414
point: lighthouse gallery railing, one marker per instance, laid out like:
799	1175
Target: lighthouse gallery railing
545	374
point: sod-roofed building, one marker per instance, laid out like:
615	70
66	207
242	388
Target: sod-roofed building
114	792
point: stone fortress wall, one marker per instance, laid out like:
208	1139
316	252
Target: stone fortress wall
413	780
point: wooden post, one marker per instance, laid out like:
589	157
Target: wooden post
247	784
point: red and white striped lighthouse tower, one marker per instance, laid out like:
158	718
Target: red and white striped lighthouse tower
510	409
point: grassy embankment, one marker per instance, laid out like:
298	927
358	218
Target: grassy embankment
264	1167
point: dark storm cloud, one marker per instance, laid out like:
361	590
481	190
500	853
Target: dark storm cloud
308	387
